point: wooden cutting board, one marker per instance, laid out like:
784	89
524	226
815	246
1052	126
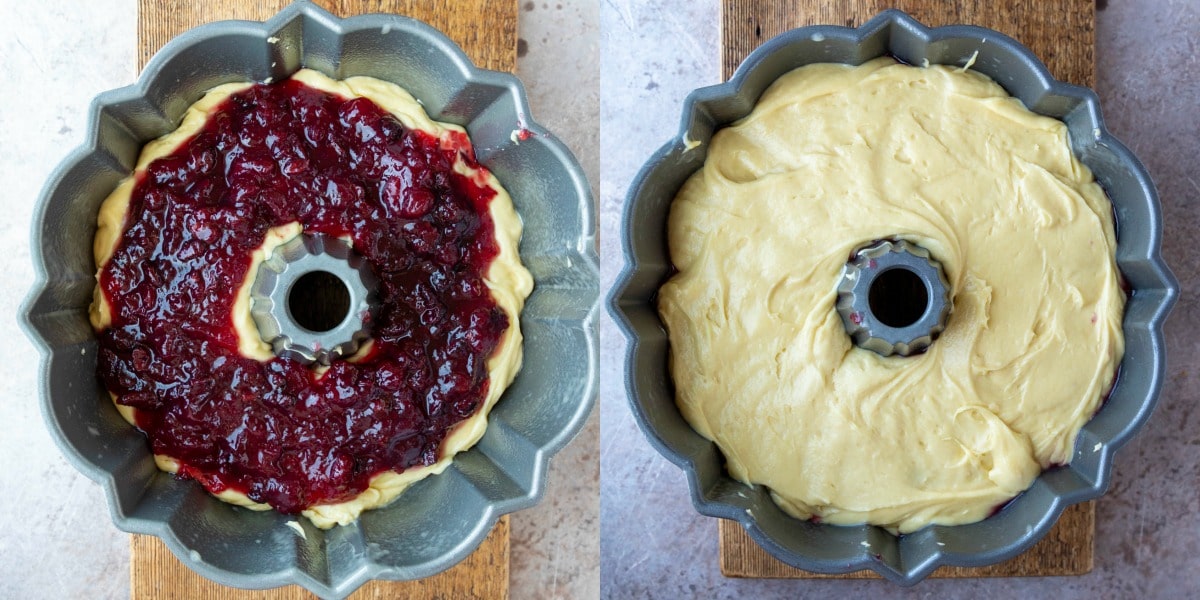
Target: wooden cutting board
156	574
1062	34
487	31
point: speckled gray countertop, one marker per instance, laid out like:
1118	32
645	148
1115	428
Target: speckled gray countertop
654	544
58	539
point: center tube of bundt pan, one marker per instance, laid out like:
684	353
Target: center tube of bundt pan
312	299
893	298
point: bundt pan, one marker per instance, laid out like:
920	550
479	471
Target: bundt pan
824	548
438	521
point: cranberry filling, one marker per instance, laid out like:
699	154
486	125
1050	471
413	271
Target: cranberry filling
271	155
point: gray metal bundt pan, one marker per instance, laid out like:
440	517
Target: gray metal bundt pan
835	549
440	520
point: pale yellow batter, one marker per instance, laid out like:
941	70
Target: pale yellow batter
831	158
507	280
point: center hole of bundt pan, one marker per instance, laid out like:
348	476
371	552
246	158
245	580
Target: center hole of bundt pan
319	301
893	298
898	297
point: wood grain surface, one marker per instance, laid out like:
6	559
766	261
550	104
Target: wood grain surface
1062	34
1066	550
483	575
487	31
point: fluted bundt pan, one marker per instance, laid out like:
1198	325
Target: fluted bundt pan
438	521
825	548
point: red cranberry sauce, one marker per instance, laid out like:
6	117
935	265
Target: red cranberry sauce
271	155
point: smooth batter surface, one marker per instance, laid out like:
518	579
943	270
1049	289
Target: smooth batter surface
831	158
507	280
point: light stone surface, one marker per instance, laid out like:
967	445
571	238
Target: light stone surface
655	545
59	541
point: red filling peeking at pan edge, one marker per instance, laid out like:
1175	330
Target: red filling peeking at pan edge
271	155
